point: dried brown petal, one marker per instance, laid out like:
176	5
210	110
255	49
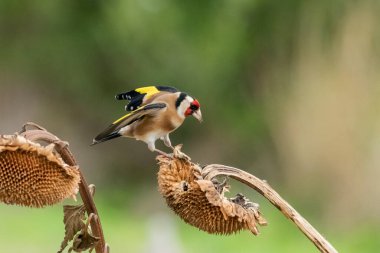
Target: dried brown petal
33	175
202	203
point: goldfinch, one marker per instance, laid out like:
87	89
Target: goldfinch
156	111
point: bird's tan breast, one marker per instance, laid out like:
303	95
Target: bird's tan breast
157	126
164	122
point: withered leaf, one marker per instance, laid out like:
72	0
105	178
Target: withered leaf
73	219
84	241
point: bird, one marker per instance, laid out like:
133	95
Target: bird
153	113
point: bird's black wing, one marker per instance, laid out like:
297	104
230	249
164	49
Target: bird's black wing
112	131
138	96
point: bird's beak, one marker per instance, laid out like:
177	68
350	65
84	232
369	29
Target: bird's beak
198	115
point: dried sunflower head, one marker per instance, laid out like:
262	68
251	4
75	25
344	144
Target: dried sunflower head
201	202
33	175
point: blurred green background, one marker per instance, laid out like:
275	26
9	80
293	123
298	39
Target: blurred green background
290	91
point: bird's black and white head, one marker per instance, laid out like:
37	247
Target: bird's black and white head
187	106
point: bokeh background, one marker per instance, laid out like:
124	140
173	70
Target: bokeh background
290	91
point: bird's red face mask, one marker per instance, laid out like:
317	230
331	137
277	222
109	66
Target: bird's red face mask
194	109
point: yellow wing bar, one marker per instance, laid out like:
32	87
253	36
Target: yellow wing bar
149	90
148	107
118	120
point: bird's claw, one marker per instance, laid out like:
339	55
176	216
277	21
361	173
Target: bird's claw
163	153
178	154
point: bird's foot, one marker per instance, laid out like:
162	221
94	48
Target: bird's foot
178	154
163	153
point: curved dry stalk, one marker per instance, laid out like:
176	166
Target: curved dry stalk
41	134
213	170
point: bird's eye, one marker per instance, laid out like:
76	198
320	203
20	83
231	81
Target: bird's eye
193	107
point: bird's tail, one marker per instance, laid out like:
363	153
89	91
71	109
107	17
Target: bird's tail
101	138
127	95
